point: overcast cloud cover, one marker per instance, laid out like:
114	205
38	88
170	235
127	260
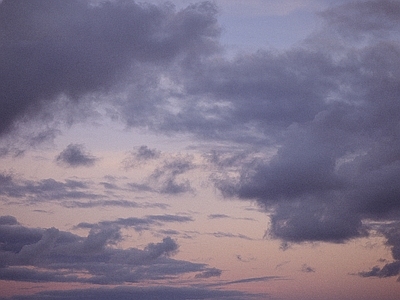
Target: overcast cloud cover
310	133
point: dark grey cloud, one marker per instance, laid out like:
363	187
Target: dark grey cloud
76	156
50	255
56	50
128	293
330	117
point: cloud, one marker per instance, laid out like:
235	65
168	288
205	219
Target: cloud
75	156
50	255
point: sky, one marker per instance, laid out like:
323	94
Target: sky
199	150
